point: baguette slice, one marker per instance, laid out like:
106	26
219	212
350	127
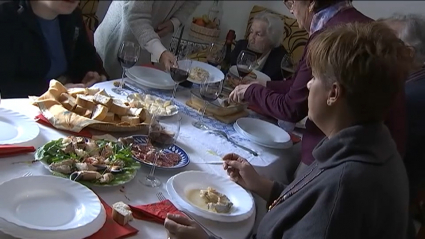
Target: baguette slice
68	105
80	110
110	117
88	114
67	101
86	101
76	91
132	120
103	92
99	112
121	213
91	91
104	100
135	111
118	107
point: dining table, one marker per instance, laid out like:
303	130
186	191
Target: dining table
203	148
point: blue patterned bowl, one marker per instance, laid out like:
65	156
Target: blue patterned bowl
184	158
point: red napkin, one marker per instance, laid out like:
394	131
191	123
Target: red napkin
42	120
111	229
8	150
156	212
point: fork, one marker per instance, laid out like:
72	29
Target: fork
224	135
161	197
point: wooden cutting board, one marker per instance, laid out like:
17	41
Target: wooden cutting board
227	119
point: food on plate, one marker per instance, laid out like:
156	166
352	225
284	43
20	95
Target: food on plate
82	159
97	105
152	104
215	201
121	213
198	74
235	81
146	153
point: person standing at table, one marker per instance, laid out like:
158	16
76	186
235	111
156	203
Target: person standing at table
149	23
287	100
44	40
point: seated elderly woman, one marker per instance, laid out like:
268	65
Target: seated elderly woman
410	29
264	40
357	186
44	40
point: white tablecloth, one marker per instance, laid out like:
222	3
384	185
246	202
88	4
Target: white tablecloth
200	146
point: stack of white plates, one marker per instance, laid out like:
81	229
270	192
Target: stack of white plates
150	77
49	207
263	133
186	185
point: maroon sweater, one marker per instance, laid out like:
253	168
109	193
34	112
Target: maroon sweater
287	100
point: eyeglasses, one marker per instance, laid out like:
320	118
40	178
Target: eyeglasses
289	4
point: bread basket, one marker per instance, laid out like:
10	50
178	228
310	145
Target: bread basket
204	33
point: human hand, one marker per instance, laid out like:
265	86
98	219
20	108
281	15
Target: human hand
180	227
167	59
165	28
241	171
92	78
238	94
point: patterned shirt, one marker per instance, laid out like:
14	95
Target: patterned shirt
323	16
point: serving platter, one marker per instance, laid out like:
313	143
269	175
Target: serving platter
99	156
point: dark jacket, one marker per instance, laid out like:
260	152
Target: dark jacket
356	189
287	100
415	155
271	66
24	58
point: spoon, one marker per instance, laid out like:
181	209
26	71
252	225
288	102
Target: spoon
224	135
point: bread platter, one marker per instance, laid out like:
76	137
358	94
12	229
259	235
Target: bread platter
77	108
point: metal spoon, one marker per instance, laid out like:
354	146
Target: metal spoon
224	135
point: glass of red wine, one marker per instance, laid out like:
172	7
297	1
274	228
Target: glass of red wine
215	54
286	67
128	55
245	63
163	133
210	90
179	73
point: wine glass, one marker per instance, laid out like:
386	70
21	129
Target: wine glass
245	63
163	133
286	66
210	90
215	54
179	73
128	55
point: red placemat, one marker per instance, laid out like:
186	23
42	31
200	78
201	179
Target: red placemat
9	150
42	120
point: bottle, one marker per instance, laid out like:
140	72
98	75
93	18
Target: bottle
227	50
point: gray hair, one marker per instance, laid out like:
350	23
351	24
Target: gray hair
275	27
413	32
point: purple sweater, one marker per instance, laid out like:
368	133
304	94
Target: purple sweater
287	100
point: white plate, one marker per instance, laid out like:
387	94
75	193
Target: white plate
263	133
16	128
183	205
47	203
186	182
260	75
151	77
86	231
215	73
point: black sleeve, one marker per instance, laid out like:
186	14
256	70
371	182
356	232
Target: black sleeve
84	58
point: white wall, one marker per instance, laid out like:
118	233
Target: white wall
236	13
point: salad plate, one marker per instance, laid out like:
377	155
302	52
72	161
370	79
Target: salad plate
91	162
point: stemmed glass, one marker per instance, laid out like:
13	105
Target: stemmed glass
179	73
163	133
245	63
215	54
128	55
286	66
210	90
